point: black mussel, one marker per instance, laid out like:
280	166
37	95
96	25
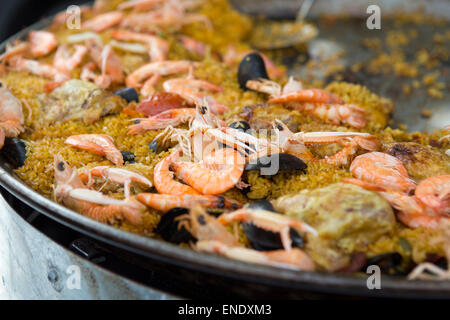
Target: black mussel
262	204
251	67
270	165
263	240
240	125
129	94
168	228
153	146
14	150
389	263
128	156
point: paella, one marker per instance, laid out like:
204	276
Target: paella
160	118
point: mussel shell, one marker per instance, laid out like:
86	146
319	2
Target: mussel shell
276	162
240	125
251	67
129	94
263	240
128	156
14	150
389	263
168	229
262	204
153	146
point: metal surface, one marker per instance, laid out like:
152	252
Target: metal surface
261	278
287	9
35	267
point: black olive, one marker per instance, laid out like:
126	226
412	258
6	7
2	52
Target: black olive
251	67
168	229
153	146
14	149
263	240
128	156
270	165
129	94
261	204
240	125
389	263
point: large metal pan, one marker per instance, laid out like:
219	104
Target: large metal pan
241	276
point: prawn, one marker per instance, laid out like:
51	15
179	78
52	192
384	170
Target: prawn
11	115
65	62
205	227
164	181
42	43
71	191
108	62
270	221
116	175
411	211
100	144
171	117
382	169
334	113
104	21
163	68
192	91
40	69
158	47
165	202
434	192
295	259
216	174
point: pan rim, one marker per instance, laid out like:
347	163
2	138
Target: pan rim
320	282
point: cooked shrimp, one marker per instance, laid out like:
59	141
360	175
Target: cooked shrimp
307	95
13	51
158	47
334	113
192	91
171	117
42	43
383	170
171	15
165	202
206	227
164	181
351	147
193	45
215	175
293	259
163	68
139	4
434	192
294	143
411	211
65	62
270	221
116	175
11	115
37	68
100	144
104	21
108	62
71	191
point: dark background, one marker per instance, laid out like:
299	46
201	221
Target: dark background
18	14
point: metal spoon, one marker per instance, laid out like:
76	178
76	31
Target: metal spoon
277	35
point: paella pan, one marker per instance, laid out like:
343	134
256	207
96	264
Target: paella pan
307	176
